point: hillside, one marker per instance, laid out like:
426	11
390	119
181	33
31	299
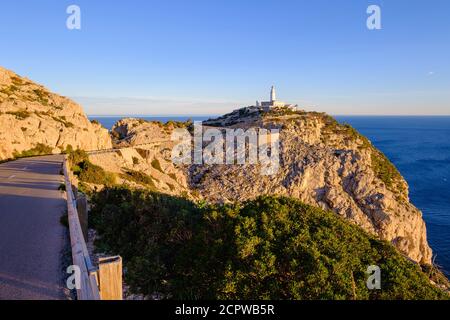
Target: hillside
267	248
322	163
33	120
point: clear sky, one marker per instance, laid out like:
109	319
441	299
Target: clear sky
211	56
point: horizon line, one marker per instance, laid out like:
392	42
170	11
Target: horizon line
211	115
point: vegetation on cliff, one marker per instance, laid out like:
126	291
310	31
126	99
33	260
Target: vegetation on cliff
268	248
89	172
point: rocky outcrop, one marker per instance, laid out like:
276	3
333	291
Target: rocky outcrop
31	115
322	163
145	147
328	165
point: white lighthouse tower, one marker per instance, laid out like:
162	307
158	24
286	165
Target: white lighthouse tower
274	103
273	94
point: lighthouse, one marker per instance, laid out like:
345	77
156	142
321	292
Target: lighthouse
273	94
273	103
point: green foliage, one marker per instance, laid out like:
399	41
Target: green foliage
89	172
77	156
384	169
139	178
63	120
68	150
20	115
41	96
92	173
269	248
39	150
9	90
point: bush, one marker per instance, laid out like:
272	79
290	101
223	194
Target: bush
39	150
87	171
139	178
269	248
20	115
77	156
92	173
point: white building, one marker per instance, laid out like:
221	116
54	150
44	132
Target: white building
274	103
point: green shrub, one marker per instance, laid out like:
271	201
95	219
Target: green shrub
92	173
41	96
139	178
87	171
269	248
39	150
63	120
77	156
20	115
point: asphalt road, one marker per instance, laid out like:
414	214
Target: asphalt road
32	238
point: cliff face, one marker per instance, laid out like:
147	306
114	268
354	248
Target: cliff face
322	163
328	165
31	115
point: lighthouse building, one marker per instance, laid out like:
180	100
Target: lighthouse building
274	103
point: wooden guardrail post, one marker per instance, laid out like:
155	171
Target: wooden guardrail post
110	278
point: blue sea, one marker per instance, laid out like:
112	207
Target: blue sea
419	147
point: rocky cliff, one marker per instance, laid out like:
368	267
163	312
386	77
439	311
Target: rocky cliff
32	116
322	162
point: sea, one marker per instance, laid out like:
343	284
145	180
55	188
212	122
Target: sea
419	146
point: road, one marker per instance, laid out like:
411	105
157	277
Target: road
32	239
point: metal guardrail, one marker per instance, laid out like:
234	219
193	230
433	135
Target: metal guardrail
89	289
94	152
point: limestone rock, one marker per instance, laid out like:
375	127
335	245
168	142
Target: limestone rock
31	115
322	163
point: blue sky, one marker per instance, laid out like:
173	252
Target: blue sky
211	56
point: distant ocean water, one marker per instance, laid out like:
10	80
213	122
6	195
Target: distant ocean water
419	147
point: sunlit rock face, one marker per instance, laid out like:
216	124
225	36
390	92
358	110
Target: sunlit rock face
31	115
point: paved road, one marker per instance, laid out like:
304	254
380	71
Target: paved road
31	236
